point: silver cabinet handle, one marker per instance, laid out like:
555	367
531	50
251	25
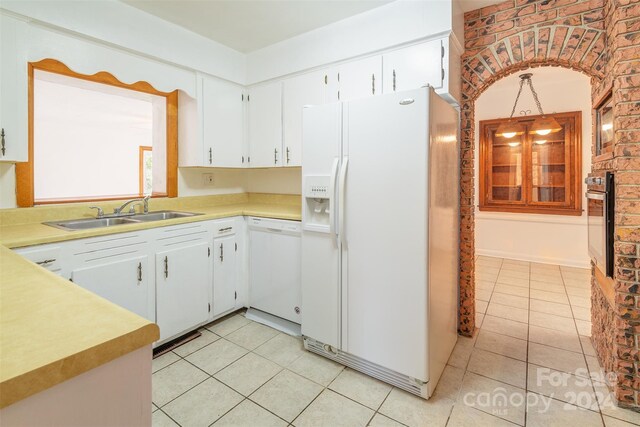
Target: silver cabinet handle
2	148
46	262
139	273
166	267
221	252
275	156
210	155
373	84
288	155
394	80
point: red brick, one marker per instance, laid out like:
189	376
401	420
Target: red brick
471	15
490	59
629	39
543	42
593	16
627	178
628	234
628	82
571	44
514	13
627	137
538	17
480	41
490	10
496	28
626	122
628	109
558	42
572	10
503	55
627	249
552	4
516	49
626	54
584	44
528	45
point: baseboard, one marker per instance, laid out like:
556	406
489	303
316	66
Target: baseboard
540	259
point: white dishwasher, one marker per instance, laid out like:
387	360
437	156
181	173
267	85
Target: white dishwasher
274	272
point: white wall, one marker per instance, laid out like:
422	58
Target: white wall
553	239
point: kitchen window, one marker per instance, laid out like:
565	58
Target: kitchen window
532	173
95	138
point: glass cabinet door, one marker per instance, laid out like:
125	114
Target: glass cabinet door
506	168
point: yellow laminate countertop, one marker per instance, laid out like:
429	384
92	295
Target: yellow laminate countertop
52	330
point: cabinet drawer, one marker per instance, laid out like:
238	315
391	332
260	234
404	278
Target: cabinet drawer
46	257
224	227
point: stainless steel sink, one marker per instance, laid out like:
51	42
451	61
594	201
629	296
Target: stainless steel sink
84	224
160	215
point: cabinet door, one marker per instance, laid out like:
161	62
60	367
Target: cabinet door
274	278
13	91
225	277
298	92
222	107
265	125
183	280
360	79
124	282
413	67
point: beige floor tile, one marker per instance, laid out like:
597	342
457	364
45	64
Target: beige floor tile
497	367
488	395
549	287
465	416
164	361
510	300
581	313
248	413
576	273
196	344
587	346
175	379
506	312
614	422
160	419
552	279
597	372
360	387
580	301
609	408
414	411
577	283
228	325
487	269
513	281
551	321
519	273
504	327
286	394
252	335
584	327
502	344
481	306
462	351
248	373
546	412
203	404
484	285
555	358
380	420
316	368
553	338
579	292
563	310
479	319
490	277
449	383
484	295
548	296
282	349
562	386
154	408
216	356
331	409
511	290
515	264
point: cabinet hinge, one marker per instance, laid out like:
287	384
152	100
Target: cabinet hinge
242	96
209	304
325	79
248	159
442	51
208	252
242	159
443	74
235	295
338	95
248	97
236	247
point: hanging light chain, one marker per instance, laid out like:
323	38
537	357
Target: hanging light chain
535	95
515	104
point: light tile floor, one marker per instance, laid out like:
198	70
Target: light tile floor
530	363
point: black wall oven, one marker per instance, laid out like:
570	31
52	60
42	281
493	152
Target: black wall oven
600	218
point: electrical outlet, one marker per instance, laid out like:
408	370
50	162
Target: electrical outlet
207	178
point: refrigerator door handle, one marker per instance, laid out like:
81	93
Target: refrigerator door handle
343	178
332	192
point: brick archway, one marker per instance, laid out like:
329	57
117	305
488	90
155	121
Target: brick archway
578	47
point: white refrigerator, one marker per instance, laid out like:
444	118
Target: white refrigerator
380	235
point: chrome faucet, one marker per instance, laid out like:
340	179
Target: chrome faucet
132	210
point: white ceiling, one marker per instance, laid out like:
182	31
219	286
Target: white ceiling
248	25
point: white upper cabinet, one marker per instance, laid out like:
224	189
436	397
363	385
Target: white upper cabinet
414	67
307	89
265	125
360	79
13	91
223	123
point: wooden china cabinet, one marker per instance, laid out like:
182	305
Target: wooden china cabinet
532	173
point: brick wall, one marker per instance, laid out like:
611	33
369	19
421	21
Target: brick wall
600	38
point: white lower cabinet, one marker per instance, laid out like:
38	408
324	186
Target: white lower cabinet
225	274
124	282
183	277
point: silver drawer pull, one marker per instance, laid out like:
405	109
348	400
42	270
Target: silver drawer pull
222	230
277	230
46	261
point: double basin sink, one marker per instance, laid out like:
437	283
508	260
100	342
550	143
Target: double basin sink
85	224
